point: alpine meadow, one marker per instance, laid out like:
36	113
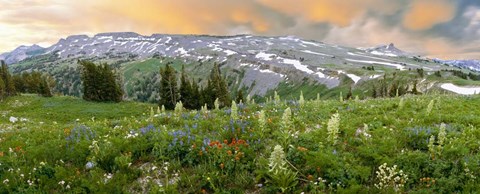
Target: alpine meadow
257	96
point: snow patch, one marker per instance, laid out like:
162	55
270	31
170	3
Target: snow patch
104	37
298	65
460	90
315	53
182	51
311	43
384	54
354	77
270	72
265	56
320	75
230	52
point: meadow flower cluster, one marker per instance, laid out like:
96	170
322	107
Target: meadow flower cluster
279	146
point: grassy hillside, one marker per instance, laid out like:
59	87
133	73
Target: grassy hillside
414	144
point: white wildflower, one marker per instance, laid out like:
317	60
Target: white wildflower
333	128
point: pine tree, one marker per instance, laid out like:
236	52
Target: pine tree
7	80
100	83
2	89
45	89
197	99
186	91
218	87
169	94
240	98
349	94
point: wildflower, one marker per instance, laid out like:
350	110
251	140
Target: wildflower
302	149
89	165
310	177
67	187
108	176
42	163
222	166
333	128
277	159
390	177
442	134
301	101
13	119
61	182
5	181
1	154
430	106
234	113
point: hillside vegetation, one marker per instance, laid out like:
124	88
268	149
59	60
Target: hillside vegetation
414	144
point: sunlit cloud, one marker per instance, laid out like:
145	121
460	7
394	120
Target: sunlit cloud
409	24
424	14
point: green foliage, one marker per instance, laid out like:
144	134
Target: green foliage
68	145
7	86
99	83
34	82
169	94
333	128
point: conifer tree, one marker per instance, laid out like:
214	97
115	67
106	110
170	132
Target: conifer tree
240	97
100	83
186	91
2	89
197	99
44	88
218	87
169	94
9	86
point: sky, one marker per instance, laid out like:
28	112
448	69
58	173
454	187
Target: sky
444	29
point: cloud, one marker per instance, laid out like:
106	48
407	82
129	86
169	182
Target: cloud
421	26
337	12
424	14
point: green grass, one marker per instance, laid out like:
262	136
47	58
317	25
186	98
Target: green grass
127	149
67	109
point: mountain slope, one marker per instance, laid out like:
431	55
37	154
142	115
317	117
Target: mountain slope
258	64
21	53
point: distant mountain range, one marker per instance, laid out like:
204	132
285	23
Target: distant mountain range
21	53
259	63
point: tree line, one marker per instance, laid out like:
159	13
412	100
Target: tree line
100	84
190	93
33	82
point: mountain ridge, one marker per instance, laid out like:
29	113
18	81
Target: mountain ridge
259	63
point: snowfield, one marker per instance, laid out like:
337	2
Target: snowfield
354	77
298	65
460	90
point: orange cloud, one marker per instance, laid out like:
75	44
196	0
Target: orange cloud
424	14
185	17
346	22
337	12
